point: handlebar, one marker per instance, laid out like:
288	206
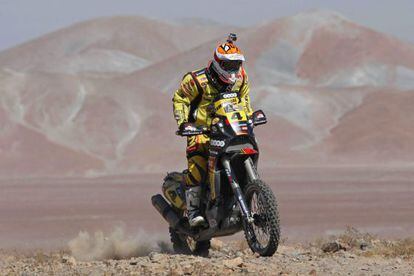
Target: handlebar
190	129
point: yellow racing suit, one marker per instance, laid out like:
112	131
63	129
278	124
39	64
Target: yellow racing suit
191	104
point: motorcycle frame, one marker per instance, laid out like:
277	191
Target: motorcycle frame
222	156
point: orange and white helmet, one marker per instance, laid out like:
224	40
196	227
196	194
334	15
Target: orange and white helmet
228	60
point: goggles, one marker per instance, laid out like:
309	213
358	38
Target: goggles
232	66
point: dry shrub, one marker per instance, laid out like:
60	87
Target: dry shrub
375	246
368	245
399	248
353	238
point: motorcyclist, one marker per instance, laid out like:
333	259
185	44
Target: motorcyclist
192	101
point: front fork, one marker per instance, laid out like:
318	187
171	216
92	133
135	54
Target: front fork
251	172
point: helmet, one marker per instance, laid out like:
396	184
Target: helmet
227	61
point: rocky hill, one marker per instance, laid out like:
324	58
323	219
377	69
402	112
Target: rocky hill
95	98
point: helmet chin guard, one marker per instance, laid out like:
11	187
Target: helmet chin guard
227	77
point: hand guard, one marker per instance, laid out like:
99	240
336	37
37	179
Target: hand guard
190	129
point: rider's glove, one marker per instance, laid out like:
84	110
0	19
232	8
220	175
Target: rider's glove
186	127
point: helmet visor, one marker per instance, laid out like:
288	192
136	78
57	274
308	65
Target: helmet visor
231	66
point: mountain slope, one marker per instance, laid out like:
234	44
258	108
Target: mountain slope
102	90
105	45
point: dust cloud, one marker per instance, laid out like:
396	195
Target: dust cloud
115	245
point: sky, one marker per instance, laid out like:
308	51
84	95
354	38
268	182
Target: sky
22	20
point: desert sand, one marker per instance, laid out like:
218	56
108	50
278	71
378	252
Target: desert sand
314	202
352	254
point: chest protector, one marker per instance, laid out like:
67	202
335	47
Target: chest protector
207	92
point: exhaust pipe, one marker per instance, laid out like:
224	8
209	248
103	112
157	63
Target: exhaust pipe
165	210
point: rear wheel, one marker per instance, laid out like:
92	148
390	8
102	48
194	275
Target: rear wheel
186	245
263	234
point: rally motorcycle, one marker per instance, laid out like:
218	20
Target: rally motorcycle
233	198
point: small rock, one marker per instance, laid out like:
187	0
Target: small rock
187	269
247	252
312	272
239	254
350	256
216	244
346	255
133	263
155	257
233	262
363	245
177	271
68	260
332	247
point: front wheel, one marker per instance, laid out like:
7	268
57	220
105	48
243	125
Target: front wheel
263	234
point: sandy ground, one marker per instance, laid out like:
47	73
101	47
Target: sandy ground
224	259
314	202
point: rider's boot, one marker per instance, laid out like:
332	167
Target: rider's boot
192	196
